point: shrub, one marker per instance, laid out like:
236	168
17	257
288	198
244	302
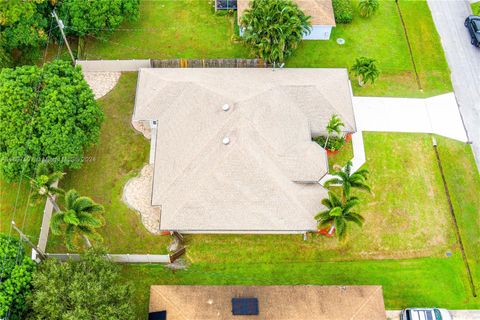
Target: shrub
366	70
48	114
343	11
15	275
96	17
368	7
274	28
334	142
88	289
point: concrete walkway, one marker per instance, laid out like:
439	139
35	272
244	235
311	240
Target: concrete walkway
437	115
463	60
456	314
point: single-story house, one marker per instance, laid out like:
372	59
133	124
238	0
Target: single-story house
303	302
320	11
232	148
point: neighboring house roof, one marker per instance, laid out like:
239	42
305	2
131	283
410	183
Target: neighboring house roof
265	179
274	302
320	11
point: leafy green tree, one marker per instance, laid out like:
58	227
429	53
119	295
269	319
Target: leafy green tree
274	28
338	214
23	26
367	8
348	180
89	289
15	276
80	218
48	114
334	125
44	183
96	17
366	70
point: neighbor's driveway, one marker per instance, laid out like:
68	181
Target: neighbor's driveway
464	62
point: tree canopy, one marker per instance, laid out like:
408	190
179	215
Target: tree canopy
15	274
48	114
274	28
23	25
96	17
90	288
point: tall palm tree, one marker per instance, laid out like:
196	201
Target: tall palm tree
338	214
334	125
81	217
44	183
366	70
348	180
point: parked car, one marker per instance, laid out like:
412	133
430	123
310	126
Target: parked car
473	25
425	314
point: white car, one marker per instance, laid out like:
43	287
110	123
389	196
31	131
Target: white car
425	314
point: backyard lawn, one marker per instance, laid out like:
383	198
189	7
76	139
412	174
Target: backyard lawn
189	29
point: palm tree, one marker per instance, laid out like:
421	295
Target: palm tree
334	125
274	28
44	183
338	214
365	69
348	180
368	7
80	217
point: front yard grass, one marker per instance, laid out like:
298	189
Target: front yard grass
190	29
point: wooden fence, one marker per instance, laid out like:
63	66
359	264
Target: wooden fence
135	65
208	63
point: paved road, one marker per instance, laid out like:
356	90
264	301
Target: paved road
464	62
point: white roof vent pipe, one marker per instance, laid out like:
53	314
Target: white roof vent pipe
226	107
226	140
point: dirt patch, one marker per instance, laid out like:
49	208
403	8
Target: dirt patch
137	194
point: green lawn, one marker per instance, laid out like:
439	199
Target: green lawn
28	214
189	29
475	8
119	155
341	158
464	185
171	29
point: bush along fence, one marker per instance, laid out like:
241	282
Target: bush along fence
135	65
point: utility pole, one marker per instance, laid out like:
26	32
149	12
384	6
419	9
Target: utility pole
40	253
61	26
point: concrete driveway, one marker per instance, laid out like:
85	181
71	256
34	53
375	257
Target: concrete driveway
464	62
